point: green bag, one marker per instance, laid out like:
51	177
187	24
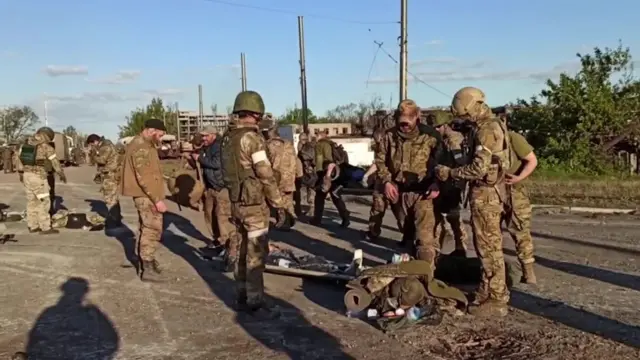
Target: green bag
28	155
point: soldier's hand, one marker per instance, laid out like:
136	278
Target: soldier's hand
21	177
443	172
97	179
283	219
391	192
433	192
63	178
512	179
161	207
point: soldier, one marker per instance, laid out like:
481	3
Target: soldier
7	159
487	189
379	204
36	157
109	170
142	179
329	158
404	164
249	178
217	206
282	157
309	177
450	199
518	210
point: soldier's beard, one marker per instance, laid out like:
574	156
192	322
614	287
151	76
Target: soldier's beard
406	127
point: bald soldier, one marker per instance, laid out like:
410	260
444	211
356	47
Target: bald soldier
449	202
488	194
36	159
109	164
142	180
248	176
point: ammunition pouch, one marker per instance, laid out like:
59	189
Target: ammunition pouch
251	192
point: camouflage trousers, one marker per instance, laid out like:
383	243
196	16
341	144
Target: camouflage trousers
109	189
217	216
308	193
150	231
379	207
252	226
517	219
38	201
287	201
7	164
486	214
421	220
448	211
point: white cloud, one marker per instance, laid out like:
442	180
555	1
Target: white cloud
164	92
100	96
434	42
60	70
121	77
446	60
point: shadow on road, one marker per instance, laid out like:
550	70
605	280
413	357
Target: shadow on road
576	318
291	334
612	277
73	329
624	250
124	235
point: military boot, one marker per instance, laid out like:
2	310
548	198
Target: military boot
51	231
489	308
528	275
150	270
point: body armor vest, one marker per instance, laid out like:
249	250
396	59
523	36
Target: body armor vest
28	155
233	173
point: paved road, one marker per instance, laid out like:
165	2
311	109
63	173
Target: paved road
77	292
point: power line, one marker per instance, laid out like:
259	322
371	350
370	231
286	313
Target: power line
409	72
375	55
289	12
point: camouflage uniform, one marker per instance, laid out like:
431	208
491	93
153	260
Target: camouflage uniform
448	204
142	179
379	203
308	171
282	157
404	160
109	164
487	197
7	159
34	177
518	210
249	178
324	157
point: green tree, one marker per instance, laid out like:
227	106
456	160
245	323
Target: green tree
16	120
156	109
294	116
70	131
572	120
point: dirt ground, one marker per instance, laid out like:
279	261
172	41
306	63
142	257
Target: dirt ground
76	294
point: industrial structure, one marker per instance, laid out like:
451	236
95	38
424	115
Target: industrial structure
190	122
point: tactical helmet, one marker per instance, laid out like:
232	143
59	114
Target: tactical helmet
467	102
249	101
47	131
440	118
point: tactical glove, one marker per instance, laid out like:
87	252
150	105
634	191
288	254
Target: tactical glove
21	177
98	178
284	220
63	178
443	172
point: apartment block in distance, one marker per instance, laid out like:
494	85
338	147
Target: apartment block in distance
188	123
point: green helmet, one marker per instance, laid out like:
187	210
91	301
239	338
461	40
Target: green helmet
441	118
46	131
249	101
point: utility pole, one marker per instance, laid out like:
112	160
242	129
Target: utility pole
303	75
178	122
243	72
46	117
403	50
201	109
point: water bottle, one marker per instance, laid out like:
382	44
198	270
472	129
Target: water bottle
415	313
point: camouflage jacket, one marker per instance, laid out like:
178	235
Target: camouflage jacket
407	162
283	160
107	157
46	157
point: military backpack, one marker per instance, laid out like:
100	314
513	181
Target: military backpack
339	154
28	154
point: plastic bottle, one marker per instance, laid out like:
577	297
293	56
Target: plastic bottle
415	313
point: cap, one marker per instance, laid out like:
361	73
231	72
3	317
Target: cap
155	124
209	130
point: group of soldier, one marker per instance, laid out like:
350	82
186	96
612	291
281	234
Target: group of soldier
249	172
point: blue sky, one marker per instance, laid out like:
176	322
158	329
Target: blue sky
98	59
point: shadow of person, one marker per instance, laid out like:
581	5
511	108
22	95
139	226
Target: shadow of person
125	236
182	224
72	328
292	334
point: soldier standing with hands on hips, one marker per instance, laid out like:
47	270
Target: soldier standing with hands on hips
142	179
